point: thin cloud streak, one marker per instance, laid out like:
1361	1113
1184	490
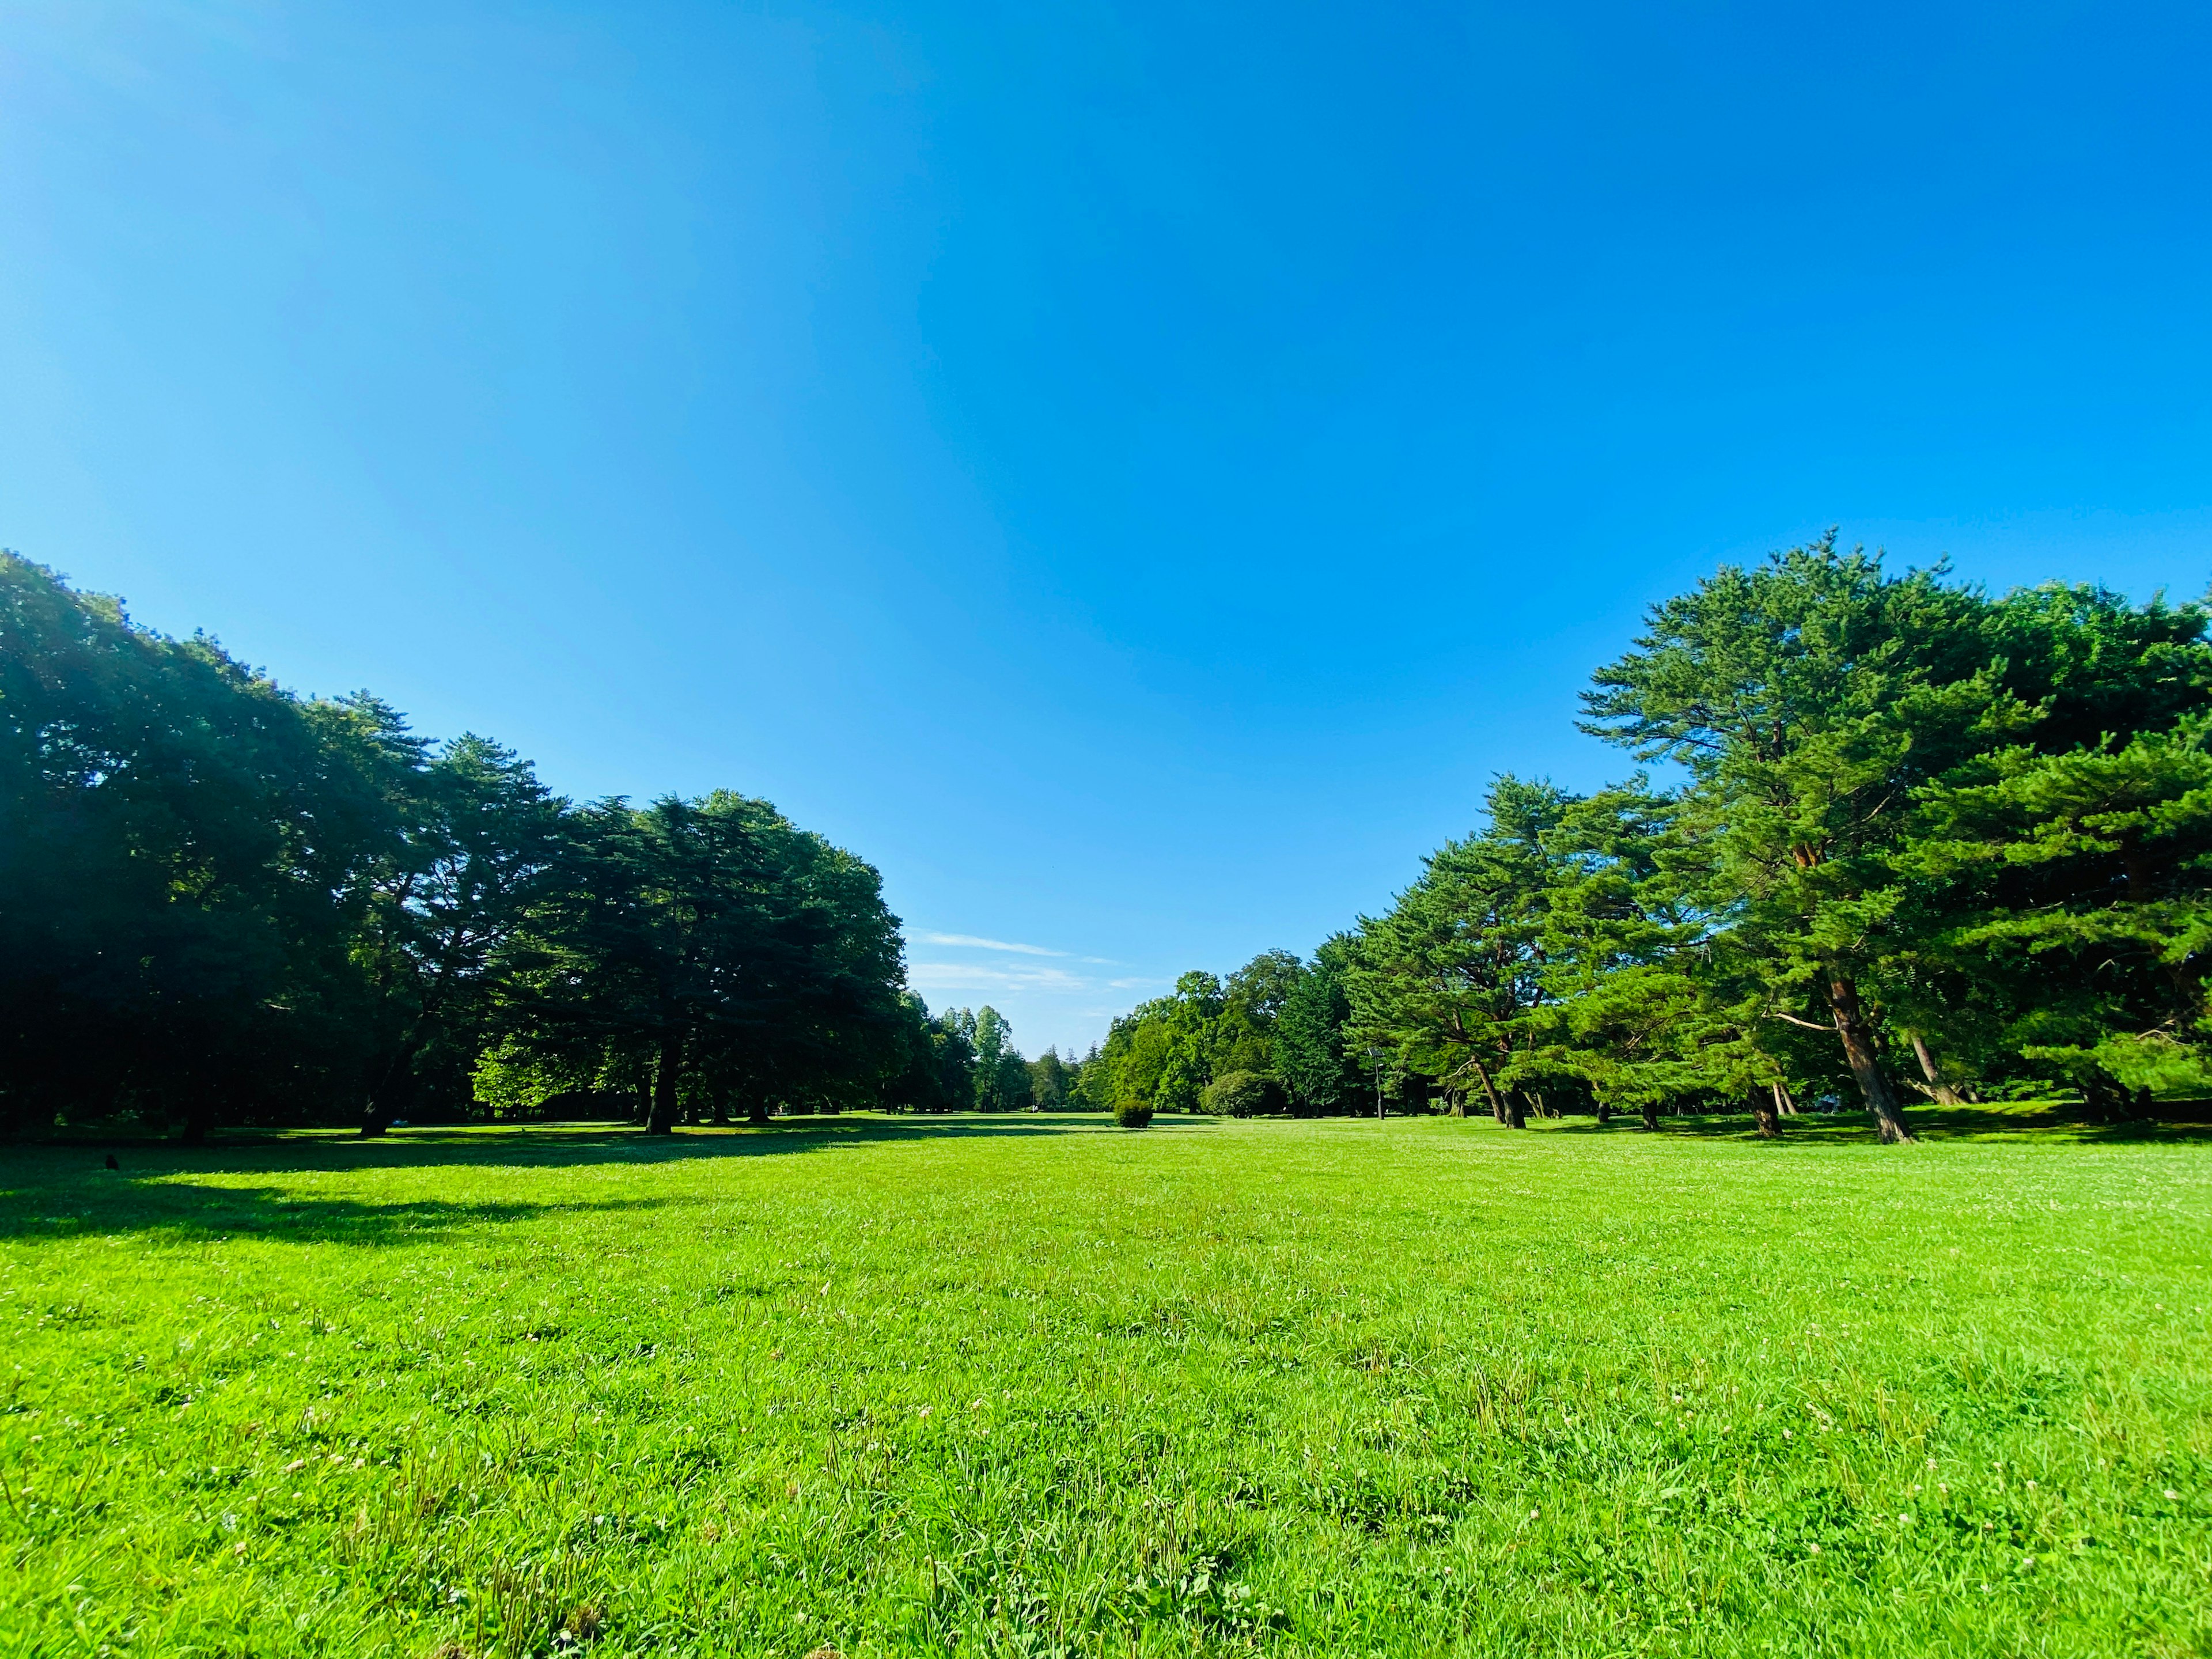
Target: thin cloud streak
971	976
973	943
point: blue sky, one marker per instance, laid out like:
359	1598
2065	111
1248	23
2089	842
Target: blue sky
1134	472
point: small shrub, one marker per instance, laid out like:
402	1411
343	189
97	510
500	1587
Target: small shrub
1244	1094
1133	1113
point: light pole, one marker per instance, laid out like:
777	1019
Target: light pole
1376	1055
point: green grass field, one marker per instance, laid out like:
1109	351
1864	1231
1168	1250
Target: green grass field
1036	1386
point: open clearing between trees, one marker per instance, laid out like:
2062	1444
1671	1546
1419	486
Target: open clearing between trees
1029	1385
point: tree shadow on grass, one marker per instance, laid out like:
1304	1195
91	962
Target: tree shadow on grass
2044	1123
189	1212
75	1165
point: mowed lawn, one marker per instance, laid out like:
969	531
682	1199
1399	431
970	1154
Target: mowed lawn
1026	1385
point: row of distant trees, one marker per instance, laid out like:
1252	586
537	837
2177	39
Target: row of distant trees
220	902
1907	841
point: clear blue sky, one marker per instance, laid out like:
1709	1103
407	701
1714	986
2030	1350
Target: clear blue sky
1133	472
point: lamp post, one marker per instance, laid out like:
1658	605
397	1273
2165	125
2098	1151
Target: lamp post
1376	1055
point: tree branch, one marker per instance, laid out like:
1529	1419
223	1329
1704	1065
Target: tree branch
1809	1025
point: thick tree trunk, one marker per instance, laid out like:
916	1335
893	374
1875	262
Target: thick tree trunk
663	1119
1767	1111
1938	1091
756	1111
1516	1113
386	1094
1604	1113
1651	1117
1864	1057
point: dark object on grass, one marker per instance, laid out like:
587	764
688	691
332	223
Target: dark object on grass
1131	1116
112	1163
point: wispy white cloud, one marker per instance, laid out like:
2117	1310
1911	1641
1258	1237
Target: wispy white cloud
974	976
1132	984
975	944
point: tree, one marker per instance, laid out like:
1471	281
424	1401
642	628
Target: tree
1451	979
1252	1002
1049	1081
1634	1004
480	839
720	945
935	1067
1310	1054
1092	1087
2077	887
1002	1076
1806	698
182	847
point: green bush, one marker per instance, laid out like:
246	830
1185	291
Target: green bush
1244	1094
1133	1113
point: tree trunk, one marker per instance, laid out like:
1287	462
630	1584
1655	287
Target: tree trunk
757	1109
2109	1101
1783	1105
1863	1055
1766	1110
1938	1091
663	1120
1604	1113
1516	1113
1651	1117
1497	1105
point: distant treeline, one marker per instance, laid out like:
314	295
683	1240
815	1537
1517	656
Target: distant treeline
221	904
1910	841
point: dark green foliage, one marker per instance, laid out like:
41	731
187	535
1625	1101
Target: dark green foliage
220	902
1051	1081
1310	1058
936	1068
1133	1114
2074	891
722	947
1922	840
1806	698
482	843
185	855
1164	1053
1917	839
1450	980
1244	1094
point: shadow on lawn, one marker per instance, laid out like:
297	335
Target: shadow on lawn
188	1211
66	1174
2048	1121
63	1189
